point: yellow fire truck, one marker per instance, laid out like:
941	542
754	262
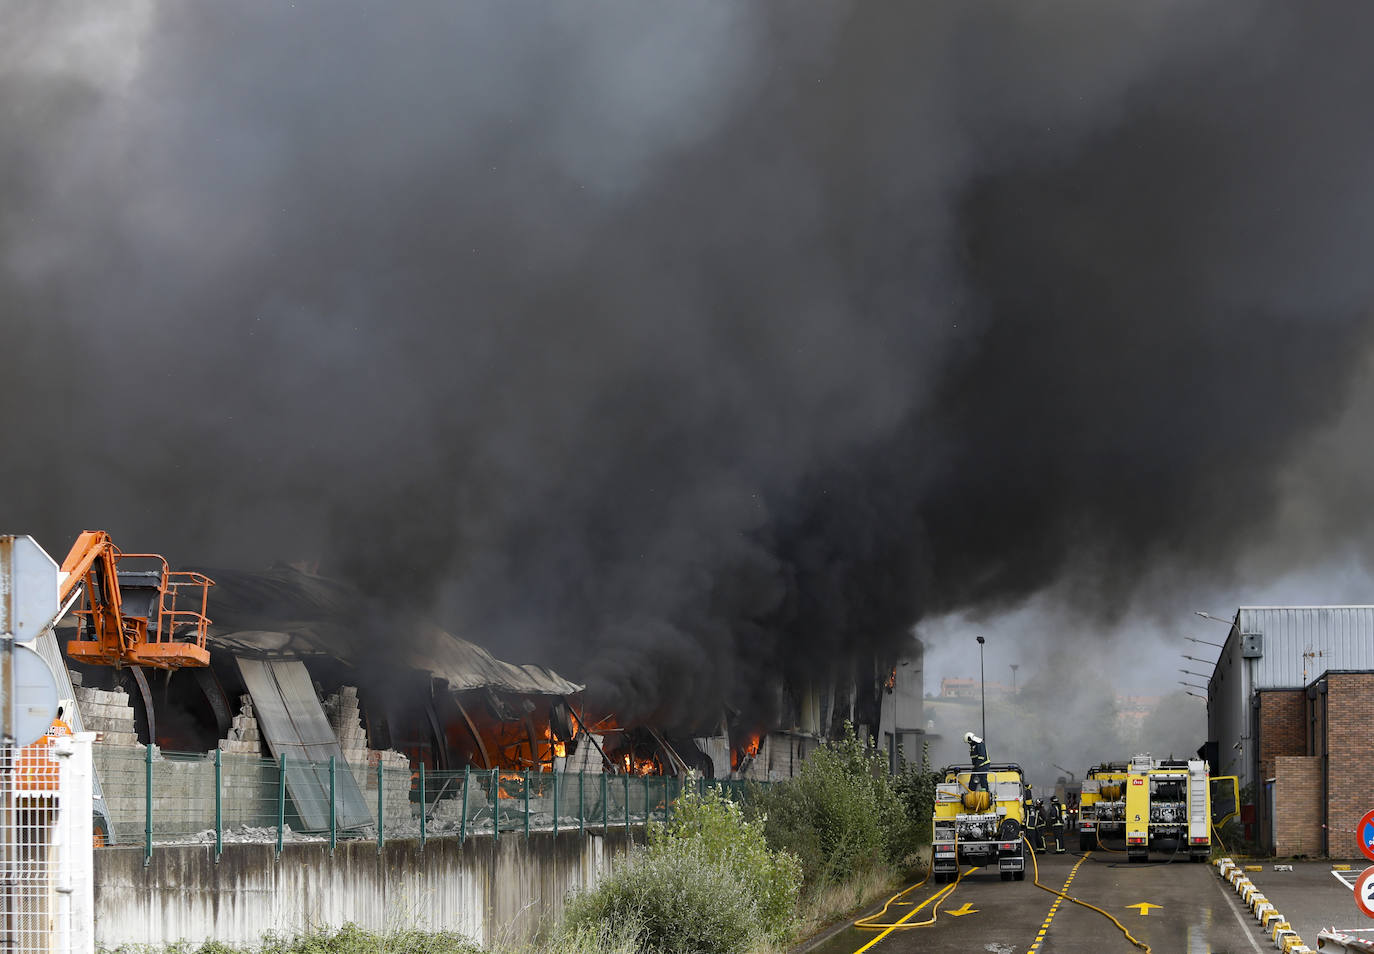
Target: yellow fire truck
979	827
1172	805
1102	805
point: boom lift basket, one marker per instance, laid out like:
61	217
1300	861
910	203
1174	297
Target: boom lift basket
147	615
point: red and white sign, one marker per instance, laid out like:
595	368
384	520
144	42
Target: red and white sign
1364	892
1364	835
1137	781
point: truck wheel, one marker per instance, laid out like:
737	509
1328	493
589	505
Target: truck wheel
1019	875
1006	876
940	877
1086	842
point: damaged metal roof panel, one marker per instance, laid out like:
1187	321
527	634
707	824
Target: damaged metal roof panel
294	725
286	612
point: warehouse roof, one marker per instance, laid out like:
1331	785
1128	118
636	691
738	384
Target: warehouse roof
286	612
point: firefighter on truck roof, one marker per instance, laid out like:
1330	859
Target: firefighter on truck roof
978	755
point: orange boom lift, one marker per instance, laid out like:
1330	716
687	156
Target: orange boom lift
144	615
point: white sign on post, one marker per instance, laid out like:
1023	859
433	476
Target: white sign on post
28	603
35	696
28	588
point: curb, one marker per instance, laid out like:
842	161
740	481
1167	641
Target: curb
1270	920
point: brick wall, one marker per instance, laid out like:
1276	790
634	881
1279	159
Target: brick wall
1282	722
1350	772
1282	726
1298	809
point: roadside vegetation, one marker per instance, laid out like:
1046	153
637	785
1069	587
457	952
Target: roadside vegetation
719	878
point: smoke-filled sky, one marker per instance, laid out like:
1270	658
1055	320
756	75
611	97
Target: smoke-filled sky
674	343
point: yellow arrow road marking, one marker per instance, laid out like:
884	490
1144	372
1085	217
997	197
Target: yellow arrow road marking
908	916
965	908
1144	907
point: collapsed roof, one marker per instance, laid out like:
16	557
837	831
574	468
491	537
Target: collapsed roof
285	612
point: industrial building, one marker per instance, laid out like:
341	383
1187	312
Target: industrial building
1288	707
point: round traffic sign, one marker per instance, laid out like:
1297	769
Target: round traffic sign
1364	892
1365	834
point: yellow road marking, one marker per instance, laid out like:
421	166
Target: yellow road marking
906	917
1040	938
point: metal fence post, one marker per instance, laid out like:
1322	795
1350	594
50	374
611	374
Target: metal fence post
627	804
219	804
148	804
333	814
555	804
646	802
605	810
495	805
527	804
280	803
381	835
423	810
581	803
463	820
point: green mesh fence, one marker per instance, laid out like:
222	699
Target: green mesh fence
217	798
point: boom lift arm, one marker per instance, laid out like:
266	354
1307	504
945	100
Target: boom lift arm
134	621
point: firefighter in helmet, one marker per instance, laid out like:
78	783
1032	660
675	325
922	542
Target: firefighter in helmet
978	755
1032	821
1057	821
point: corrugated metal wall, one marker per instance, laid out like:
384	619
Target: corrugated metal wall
1344	635
1299	644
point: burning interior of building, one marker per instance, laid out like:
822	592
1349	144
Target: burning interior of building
303	666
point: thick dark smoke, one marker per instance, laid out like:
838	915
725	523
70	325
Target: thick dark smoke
678	346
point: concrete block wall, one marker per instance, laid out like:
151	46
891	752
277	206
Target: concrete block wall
1350	772
107	712
183	791
1298	801
396	783
244	738
341	709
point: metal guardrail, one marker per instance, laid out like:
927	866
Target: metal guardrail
165	798
1346	939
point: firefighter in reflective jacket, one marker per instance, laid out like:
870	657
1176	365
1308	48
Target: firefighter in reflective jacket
1032	821
1058	817
978	755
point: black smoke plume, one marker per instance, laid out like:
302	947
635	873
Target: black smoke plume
681	346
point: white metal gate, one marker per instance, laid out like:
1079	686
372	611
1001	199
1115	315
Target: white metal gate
46	890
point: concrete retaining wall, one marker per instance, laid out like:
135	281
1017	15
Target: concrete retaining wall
485	889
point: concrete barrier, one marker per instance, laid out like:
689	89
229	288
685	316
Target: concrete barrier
1271	921
486	890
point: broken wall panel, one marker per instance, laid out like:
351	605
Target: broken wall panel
293	724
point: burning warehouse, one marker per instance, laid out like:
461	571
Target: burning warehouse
305	667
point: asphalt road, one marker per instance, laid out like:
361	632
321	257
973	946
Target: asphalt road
1192	912
1313	895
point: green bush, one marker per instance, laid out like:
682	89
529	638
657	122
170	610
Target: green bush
707	883
844	815
718	825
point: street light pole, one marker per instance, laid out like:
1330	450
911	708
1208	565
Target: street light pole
983	687
1014	667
